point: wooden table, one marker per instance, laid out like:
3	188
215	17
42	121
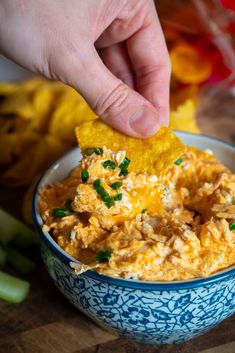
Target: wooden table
47	323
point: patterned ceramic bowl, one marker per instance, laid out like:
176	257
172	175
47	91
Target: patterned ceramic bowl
148	312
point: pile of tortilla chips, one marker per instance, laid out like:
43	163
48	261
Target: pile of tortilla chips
37	121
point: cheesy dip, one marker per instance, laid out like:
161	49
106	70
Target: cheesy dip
139	226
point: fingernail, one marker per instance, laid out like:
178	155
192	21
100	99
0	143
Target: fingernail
145	121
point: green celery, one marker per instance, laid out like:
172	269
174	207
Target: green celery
13	230
18	261
13	289
3	257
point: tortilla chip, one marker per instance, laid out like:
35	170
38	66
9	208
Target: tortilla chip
183	118
7	148
152	155
7	88
71	111
33	160
188	66
180	95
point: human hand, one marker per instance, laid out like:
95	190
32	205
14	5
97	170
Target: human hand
62	40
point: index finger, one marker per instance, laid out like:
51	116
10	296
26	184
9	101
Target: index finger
150	60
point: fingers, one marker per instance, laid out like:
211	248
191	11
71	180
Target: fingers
111	99
148	53
116	58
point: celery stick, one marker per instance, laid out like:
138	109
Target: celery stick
13	230
2	257
13	289
18	261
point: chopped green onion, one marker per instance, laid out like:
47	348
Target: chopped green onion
85	175
103	193
98	151
109	203
116	185
179	161
118	197
13	289
123	172
109	164
68	205
103	256
144	210
125	163
61	212
18	261
90	150
124	166
232	226
96	183
14	231
86	151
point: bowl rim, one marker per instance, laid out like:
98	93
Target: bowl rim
134	284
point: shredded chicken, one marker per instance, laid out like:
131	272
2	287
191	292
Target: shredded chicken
161	229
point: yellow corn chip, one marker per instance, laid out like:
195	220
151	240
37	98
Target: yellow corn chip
33	161
71	110
7	88
7	147
183	118
179	96
152	155
188	66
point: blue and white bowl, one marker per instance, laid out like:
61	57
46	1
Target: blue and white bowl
148	312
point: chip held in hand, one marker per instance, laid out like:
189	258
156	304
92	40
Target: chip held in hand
152	155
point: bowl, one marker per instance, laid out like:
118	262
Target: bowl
147	312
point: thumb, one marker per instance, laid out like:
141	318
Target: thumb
116	103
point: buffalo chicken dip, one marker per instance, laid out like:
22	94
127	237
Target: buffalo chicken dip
138	226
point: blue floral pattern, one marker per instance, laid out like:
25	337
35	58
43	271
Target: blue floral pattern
146	316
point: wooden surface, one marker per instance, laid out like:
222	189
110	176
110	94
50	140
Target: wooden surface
47	323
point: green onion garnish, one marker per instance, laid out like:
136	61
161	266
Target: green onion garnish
68	205
86	151
109	164
96	183
61	212
116	185
103	256
232	226
125	163
85	175
109	202
123	172
179	161
124	166
90	150
144	210
118	197
98	151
